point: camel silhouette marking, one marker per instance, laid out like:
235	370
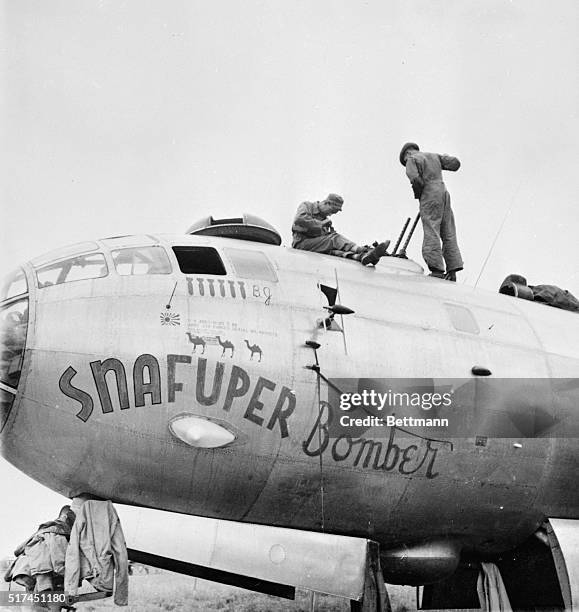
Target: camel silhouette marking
196	341
254	349
226	344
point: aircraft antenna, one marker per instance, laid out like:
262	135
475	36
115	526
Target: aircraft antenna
341	315
401	236
499	232
168	306
316	368
320	408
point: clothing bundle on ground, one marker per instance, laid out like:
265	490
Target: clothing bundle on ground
39	561
62	553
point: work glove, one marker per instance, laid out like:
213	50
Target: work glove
417	188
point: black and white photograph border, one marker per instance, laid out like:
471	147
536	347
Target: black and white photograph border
242	243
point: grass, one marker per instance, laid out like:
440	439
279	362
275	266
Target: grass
168	592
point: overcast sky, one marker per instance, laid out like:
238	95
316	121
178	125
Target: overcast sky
138	116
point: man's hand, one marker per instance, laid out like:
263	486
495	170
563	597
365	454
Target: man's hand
327	225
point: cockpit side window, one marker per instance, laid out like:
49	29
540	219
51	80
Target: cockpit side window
141	260
251	264
199	260
81	267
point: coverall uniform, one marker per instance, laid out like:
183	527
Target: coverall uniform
555	296
515	284
425	173
309	233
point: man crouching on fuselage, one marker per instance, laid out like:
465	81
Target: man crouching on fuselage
312	231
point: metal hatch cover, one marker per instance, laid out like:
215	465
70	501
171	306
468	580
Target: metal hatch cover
246	227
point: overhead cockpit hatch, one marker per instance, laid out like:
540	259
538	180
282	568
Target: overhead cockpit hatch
246	227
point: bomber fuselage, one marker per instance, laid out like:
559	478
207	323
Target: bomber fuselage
173	372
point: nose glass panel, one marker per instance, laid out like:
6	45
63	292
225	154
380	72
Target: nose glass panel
6	401
13	327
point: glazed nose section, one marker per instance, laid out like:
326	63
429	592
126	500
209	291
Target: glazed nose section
13	333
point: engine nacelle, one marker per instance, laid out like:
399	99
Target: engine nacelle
422	563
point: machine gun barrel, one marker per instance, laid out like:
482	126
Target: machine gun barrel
408	238
401	236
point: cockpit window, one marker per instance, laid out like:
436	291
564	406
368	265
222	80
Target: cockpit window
14	284
69	251
13	326
117	242
82	267
141	260
251	264
199	260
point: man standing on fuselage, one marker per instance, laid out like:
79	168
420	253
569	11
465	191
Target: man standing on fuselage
425	173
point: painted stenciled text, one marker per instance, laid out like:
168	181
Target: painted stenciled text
224	288
262	401
388	455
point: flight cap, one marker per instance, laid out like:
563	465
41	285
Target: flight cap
336	200
408	145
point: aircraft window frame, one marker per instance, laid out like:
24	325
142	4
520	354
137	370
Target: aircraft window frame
80	248
142	251
211	264
8	282
247	263
6	402
61	265
13	334
462	318
130	240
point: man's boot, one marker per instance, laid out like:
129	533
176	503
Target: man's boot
451	274
437	274
371	258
